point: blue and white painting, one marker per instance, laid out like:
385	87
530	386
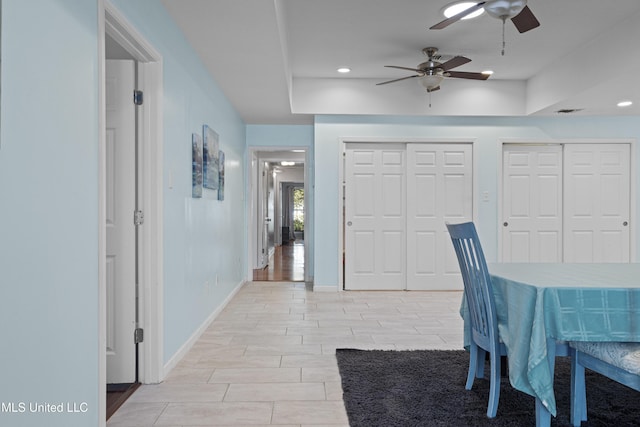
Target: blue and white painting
196	165
221	183
211	163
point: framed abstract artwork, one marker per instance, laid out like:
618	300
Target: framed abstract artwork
211	165
196	165
221	177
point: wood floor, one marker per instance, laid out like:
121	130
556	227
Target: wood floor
286	264
117	394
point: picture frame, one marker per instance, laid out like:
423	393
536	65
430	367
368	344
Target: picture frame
221	176
211	161
196	166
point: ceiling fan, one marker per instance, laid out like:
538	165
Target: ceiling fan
516	10
431	72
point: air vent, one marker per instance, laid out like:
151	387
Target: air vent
569	110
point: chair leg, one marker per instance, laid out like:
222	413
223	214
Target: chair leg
473	363
494	385
578	392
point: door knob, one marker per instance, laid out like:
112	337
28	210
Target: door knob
505	223
625	223
349	223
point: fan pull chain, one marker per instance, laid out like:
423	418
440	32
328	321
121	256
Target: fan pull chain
503	42
429	98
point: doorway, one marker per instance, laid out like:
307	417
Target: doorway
278	208
121	202
141	169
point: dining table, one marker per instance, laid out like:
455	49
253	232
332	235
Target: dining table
541	307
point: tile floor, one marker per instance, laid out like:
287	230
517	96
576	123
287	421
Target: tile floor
269	358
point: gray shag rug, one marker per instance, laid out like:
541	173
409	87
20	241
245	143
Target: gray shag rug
426	388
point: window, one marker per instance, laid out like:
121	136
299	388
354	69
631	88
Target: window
298	209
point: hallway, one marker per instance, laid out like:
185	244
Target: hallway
286	264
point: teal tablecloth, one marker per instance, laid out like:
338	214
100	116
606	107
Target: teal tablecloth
564	302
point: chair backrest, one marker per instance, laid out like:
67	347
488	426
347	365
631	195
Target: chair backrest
478	289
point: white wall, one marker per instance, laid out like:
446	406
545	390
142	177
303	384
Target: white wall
486	132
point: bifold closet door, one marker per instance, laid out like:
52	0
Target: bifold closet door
375	216
439	190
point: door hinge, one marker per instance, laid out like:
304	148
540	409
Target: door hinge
138	97
138	218
138	335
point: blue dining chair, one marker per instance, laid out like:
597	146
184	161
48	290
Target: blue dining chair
619	361
480	301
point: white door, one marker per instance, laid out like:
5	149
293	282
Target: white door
439	190
375	216
270	219
532	203
597	207
261	223
120	229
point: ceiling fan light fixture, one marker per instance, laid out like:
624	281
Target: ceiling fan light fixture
504	9
457	7
431	81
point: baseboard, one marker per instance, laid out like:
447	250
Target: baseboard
184	349
325	288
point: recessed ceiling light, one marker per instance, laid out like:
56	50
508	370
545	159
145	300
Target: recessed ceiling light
455	8
344	70
624	103
487	72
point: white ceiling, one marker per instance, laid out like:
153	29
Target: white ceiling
276	60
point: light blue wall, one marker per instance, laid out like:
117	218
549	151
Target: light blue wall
49	210
486	132
49	202
280	136
204	239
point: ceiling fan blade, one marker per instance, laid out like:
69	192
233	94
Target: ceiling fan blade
454	62
467	75
525	20
457	17
404	68
397	80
